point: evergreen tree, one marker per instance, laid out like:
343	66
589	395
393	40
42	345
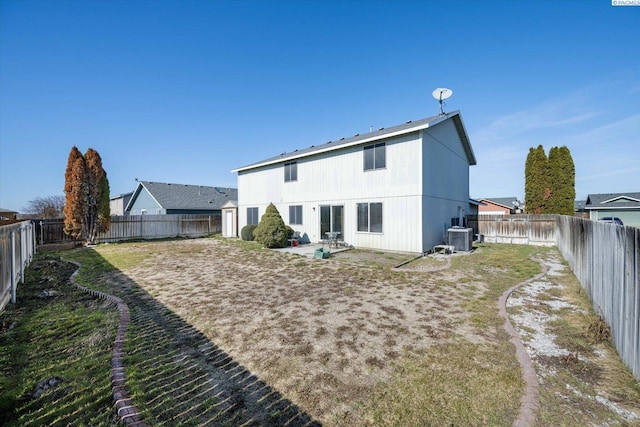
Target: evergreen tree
97	195
271	232
74	188
549	182
87	195
104	206
555	181
565	182
536	188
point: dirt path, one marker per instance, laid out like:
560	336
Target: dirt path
569	365
529	403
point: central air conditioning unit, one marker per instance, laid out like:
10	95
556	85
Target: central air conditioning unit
460	238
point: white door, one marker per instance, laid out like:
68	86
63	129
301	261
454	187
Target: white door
229	224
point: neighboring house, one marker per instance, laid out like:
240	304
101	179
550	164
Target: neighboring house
118	204
579	210
499	206
398	188
157	198
6	214
625	206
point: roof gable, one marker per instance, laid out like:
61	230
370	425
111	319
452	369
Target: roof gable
183	196
506	202
380	134
613	201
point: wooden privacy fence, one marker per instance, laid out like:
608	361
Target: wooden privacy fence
17	246
606	260
160	226
138	227
519	229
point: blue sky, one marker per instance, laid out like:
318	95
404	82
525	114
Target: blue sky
185	91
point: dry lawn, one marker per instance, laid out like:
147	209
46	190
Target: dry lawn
349	340
323	332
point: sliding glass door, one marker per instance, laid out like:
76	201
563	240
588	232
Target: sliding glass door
331	220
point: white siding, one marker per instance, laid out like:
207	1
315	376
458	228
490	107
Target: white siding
338	178
424	184
445	181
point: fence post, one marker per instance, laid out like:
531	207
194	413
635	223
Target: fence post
12	239
23	248
33	240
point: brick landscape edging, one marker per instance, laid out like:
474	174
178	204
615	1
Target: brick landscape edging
126	410
529	403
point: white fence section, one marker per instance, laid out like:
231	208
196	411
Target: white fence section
17	246
517	229
606	260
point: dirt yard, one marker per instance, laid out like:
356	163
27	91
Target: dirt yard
325	331
328	333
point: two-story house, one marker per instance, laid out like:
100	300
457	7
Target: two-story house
398	188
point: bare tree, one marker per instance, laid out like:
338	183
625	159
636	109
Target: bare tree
45	207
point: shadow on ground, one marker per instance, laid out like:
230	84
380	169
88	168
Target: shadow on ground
177	376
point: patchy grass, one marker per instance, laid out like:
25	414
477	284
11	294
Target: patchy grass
583	382
334	333
224	332
67	337
426	390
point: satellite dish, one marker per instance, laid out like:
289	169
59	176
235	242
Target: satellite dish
441	94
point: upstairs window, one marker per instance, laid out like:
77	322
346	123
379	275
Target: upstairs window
252	216
290	171
295	215
375	157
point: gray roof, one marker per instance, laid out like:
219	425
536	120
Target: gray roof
613	201
182	196
502	201
122	196
382	133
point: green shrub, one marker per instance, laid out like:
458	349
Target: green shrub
271	232
290	231
247	232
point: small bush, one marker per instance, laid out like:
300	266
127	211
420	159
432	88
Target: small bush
247	232
598	330
290	231
271	232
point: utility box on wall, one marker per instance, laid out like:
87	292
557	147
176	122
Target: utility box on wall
460	238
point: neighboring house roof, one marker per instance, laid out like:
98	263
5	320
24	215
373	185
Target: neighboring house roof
382	133
613	201
6	213
507	202
122	196
183	196
578	205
